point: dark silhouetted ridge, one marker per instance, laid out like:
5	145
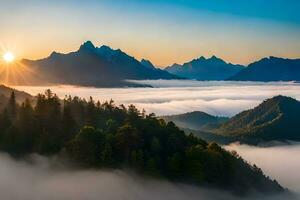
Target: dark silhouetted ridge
88	45
92	66
147	63
270	69
201	68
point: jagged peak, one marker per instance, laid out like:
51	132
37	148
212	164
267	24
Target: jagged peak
147	63
108	49
108	52
201	58
105	47
145	60
54	53
215	58
87	45
176	65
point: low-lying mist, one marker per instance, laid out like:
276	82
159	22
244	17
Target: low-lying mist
42	178
223	98
281	162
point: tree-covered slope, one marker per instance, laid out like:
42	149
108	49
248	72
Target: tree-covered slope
274	119
102	135
5	93
270	69
195	120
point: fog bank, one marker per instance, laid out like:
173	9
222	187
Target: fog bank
223	98
42	179
281	162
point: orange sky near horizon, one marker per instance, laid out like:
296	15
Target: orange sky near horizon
165	56
165	34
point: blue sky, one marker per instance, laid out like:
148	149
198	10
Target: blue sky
163	31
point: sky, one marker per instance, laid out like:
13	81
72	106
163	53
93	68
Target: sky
163	31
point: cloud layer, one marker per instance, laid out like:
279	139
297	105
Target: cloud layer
41	178
281	162
221	98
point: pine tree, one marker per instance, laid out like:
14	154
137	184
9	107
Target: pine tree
12	106
69	125
91	113
5	123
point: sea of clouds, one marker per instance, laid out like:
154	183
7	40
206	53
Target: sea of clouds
38	179
223	98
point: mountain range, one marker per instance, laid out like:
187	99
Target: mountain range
106	67
270	69
93	66
214	68
205	69
276	118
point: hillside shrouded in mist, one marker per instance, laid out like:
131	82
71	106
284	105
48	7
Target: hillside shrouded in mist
105	136
276	159
37	177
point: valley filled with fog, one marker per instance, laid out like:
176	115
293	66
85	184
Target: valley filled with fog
280	162
166	97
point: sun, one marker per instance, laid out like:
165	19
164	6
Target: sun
8	57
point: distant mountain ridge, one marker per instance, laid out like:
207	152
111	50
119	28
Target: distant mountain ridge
201	68
93	66
105	67
270	69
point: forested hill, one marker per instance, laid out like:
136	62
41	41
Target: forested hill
195	120
103	135
21	96
275	119
5	93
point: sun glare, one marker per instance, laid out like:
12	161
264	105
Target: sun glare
8	57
